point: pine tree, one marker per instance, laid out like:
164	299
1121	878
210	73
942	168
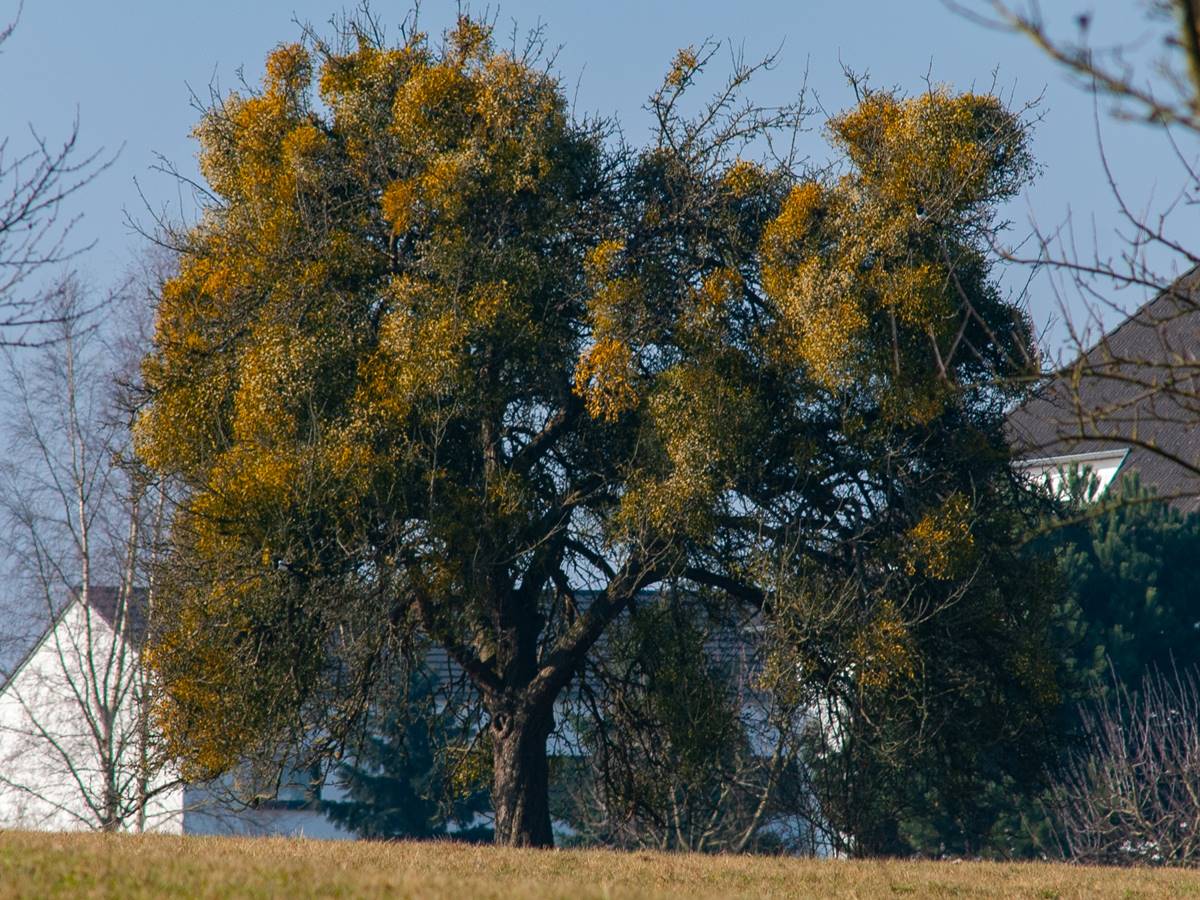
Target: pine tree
401	781
1132	573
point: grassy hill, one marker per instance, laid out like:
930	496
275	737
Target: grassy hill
39	865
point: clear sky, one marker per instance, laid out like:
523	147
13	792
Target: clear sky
129	66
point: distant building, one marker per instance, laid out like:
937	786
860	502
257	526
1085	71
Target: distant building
75	746
1130	404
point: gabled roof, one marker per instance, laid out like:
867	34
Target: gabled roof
104	601
1138	388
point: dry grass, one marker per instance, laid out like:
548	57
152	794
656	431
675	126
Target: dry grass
39	865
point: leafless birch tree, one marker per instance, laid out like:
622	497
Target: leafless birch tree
82	523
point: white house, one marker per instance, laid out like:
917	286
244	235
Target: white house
77	750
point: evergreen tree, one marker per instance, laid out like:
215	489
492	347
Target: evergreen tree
1132	572
401	780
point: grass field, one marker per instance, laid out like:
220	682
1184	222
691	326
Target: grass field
39	865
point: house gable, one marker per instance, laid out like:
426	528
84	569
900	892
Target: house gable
50	769
1135	396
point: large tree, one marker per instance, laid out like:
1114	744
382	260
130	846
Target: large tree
440	357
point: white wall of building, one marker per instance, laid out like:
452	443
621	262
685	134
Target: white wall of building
51	774
51	727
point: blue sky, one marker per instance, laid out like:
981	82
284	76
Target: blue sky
128	67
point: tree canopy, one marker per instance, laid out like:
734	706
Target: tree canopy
439	357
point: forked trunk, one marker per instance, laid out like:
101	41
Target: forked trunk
521	779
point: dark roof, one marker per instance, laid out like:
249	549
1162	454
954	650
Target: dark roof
106	602
1138	388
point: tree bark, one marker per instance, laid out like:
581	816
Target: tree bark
521	779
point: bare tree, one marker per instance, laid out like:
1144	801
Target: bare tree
36	178
82	525
1131	794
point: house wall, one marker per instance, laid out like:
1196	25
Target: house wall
51	777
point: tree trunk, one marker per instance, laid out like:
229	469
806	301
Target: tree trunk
521	779
112	801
